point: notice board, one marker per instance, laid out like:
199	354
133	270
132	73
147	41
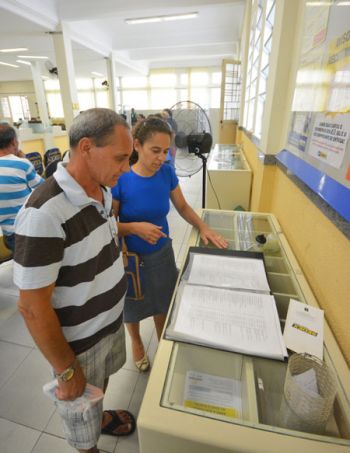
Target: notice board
318	145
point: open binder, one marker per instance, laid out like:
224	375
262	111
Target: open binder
224	301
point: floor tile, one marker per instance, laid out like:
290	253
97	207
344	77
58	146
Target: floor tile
14	330
52	444
21	397
129	444
16	438
11	356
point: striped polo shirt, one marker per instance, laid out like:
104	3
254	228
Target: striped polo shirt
17	179
65	237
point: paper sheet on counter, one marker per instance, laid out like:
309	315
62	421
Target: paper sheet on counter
303	330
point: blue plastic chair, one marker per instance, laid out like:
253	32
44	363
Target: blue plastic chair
37	161
51	155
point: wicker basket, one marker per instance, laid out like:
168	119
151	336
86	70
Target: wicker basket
304	408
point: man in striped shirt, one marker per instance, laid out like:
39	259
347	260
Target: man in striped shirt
69	269
17	179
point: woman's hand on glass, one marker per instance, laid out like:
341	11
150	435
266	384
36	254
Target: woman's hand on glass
149	232
207	234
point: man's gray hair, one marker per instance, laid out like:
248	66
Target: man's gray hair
97	124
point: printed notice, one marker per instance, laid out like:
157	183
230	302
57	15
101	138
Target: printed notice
329	138
303	331
214	394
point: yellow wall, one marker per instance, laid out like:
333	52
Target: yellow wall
61	142
322	251
263	176
29	146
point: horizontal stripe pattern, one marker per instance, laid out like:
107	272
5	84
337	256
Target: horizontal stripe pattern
72	245
17	179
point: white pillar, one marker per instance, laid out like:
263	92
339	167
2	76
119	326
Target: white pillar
66	73
42	105
111	76
40	93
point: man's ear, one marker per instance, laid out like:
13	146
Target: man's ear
84	145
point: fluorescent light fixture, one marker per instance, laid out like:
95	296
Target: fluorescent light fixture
144	20
180	16
8	64
28	63
19	49
98	74
324	3
33	57
343	4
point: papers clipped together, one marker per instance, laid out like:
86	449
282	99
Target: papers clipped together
224	302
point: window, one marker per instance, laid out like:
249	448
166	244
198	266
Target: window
5	107
166	79
260	41
54	102
15	107
162	98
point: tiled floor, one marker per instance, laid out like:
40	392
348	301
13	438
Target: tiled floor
28	420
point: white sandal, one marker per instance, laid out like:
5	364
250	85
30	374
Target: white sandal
143	364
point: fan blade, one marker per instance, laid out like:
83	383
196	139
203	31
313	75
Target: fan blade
181	140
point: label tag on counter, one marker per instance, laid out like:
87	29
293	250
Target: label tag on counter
303	331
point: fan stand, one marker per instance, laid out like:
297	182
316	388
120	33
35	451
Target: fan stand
204	174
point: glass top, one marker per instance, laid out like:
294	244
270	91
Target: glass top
260	381
226	157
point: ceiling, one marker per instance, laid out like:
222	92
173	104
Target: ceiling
98	30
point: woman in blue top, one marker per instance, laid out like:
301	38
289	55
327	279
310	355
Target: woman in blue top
142	204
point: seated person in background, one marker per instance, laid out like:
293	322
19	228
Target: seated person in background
142	201
17	179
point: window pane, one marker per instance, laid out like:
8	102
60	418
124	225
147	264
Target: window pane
215	95
102	99
161	99
135	98
5	107
182	95
16	107
167	79
83	84
216	78
86	100
54	102
25	107
184	78
134	82
199	79
200	96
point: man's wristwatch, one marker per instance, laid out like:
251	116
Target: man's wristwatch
67	374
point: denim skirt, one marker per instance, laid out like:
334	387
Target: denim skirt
160	275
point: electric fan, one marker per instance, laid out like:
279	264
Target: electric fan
193	139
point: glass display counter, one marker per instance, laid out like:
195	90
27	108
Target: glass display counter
166	423
229	178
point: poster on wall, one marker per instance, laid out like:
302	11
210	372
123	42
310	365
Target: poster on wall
329	138
318	143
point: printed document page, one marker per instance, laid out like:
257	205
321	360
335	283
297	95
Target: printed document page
233	320
229	272
214	394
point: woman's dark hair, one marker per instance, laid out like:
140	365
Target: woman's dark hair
144	130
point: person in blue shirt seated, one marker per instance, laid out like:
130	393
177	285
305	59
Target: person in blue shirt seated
142	202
